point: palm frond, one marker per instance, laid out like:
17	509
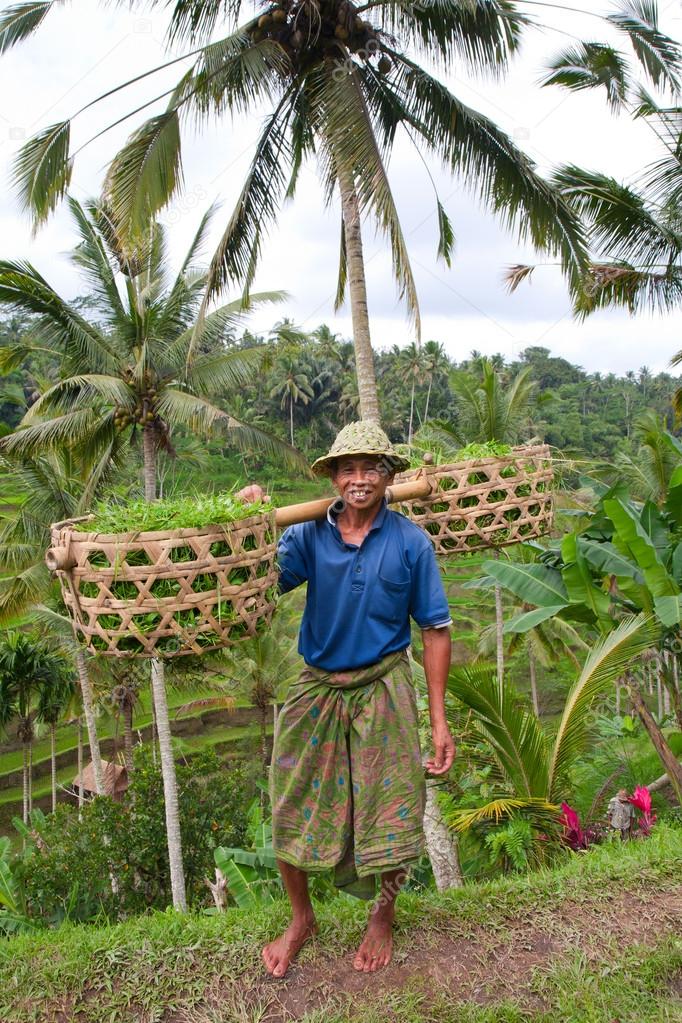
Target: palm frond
226	371
514	734
659	55
490	164
591	66
91	257
349	148
480	35
620	221
608	660
539	812
196	19
239	248
42	171
60	432
22	20
22	287
146	173
20	593
79	392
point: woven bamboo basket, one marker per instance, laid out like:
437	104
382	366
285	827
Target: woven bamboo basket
165	594
486	502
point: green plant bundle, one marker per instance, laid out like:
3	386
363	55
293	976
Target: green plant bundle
172	513
490	449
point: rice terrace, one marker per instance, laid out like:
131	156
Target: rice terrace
341	511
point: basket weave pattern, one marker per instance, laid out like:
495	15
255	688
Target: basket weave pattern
486	502
165	594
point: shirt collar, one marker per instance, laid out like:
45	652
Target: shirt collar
337	506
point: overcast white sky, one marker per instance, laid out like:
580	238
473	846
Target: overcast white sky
84	48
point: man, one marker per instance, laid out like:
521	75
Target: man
621	813
347	782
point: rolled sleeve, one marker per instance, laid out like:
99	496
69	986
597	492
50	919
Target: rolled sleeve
428	603
291	559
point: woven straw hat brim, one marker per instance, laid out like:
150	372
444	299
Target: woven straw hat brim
322	466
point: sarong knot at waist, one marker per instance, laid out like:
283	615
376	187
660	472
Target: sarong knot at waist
355	677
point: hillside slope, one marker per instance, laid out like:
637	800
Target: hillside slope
596	941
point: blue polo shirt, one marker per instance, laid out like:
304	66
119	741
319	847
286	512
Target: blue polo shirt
360	599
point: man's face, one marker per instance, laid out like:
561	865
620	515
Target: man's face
361	481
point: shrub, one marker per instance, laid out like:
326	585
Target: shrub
113	862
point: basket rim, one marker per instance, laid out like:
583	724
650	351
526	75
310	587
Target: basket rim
186	532
513	456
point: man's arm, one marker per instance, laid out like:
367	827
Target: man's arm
437	648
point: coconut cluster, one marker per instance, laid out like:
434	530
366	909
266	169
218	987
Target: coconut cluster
317	28
143	412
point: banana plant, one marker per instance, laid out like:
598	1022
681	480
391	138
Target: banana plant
627	558
530	767
251	874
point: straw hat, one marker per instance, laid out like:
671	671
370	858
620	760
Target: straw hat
363	438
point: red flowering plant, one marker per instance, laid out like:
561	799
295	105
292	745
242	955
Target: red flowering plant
641	800
575	836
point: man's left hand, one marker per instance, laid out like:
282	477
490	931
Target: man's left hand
443	750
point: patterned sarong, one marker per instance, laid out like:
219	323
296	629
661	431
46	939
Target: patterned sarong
346	782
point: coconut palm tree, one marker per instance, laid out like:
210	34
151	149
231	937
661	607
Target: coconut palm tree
436	363
293	386
28	668
411	370
339	84
138	369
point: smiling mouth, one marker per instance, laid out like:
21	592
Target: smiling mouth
359	495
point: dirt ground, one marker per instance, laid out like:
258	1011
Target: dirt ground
481	968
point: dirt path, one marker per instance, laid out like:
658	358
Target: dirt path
482	967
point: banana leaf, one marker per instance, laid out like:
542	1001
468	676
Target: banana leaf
632	539
530	619
534	584
579	583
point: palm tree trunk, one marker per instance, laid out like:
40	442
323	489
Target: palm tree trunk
409	432
428	398
170	784
53	764
30	776
357	286
89	711
441	843
80	764
618	697
659	693
128	736
153	735
25	781
170	788
291	419
499	629
149	462
670	762
532	672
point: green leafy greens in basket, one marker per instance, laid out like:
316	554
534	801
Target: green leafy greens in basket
171	513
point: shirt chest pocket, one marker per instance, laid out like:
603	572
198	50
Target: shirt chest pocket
390	598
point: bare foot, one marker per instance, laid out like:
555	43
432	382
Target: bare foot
279	953
377	945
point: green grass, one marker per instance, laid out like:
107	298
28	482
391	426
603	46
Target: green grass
163	962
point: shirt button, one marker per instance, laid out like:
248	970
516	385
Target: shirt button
358	568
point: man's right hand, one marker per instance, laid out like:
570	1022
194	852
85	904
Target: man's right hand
252	492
